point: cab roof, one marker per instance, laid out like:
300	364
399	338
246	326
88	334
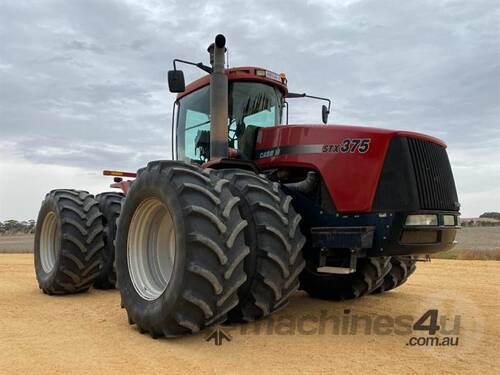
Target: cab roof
245	73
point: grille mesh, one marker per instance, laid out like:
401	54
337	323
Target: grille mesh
435	184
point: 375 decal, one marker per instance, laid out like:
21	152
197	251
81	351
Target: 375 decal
349	145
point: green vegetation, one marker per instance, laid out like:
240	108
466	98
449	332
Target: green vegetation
15	227
490	215
493	254
488	219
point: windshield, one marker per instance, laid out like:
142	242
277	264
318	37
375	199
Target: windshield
250	103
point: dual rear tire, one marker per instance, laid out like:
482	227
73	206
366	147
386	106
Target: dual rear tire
74	241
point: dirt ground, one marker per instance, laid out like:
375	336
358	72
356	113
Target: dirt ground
478	238
89	333
17	243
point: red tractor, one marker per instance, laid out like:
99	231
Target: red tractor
250	209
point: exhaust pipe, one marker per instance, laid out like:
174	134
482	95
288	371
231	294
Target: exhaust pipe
218	99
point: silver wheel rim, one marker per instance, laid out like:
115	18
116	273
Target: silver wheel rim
49	244
151	249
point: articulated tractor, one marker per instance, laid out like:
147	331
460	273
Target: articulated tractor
250	209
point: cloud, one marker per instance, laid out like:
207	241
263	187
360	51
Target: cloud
82	83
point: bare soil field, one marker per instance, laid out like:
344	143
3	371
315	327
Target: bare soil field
480	238
17	243
89	333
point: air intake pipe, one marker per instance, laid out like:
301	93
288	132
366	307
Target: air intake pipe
218	99
307	185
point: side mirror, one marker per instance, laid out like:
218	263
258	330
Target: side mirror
324	114
176	81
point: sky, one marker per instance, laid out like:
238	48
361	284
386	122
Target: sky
83	83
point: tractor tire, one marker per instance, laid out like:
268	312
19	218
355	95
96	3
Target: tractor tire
180	250
275	242
401	269
110	204
68	242
369	276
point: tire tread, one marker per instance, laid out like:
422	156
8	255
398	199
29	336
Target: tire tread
81	242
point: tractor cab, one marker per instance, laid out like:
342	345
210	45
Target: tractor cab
256	98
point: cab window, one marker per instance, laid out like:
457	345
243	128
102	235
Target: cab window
250	103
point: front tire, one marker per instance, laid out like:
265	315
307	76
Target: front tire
68	242
368	276
180	250
401	269
275	240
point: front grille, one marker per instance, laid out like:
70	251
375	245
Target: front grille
435	184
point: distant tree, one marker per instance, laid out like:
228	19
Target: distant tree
31	225
490	215
14	226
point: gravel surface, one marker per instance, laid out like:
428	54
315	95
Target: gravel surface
89	333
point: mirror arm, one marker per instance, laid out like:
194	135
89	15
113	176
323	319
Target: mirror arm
304	95
200	65
285	104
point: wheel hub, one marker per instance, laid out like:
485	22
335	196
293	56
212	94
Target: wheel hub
49	244
151	249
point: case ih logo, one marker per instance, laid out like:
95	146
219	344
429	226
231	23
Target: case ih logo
348	145
269	153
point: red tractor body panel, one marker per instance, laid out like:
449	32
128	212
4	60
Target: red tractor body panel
350	169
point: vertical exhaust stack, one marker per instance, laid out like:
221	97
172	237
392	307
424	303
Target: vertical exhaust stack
218	99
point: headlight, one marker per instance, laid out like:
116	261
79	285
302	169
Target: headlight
449	220
421	220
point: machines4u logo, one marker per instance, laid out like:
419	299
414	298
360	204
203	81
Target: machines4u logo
430	329
431	324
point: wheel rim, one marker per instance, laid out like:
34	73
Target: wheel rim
49	244
151	249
